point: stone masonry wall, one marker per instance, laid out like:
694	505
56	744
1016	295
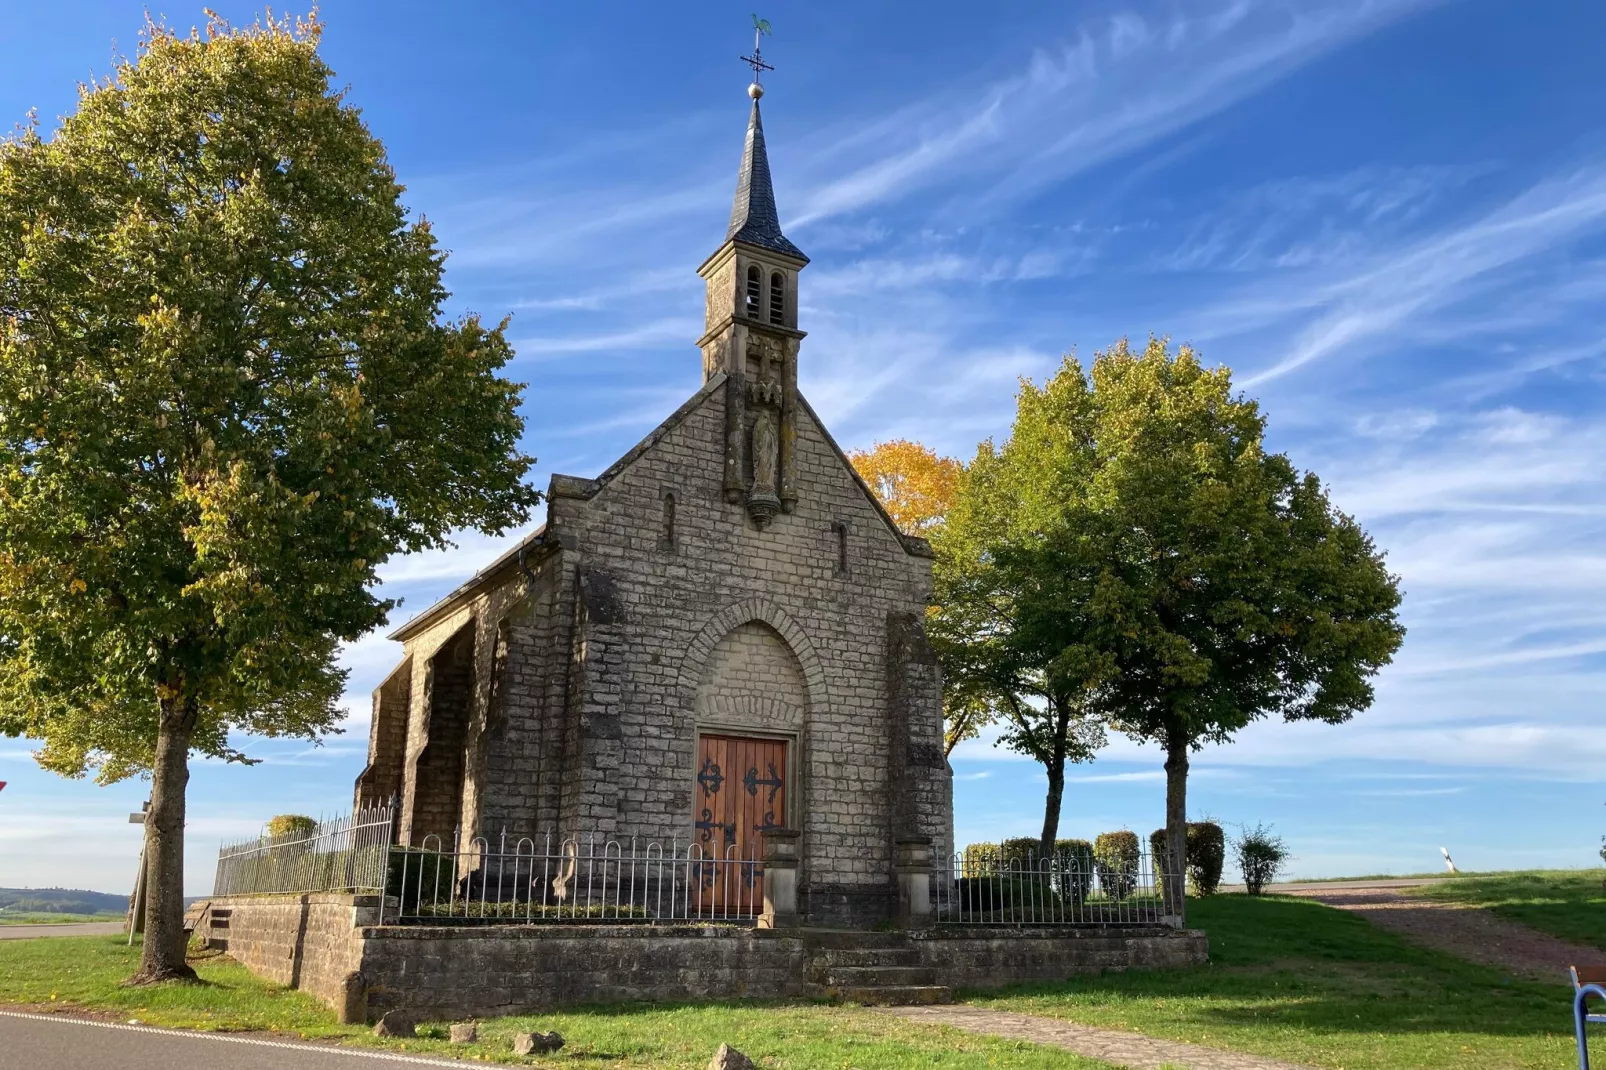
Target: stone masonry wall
992	958
466	972
310	942
384	775
438	781
513	751
922	806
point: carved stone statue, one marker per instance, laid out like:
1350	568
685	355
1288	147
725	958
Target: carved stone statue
762	503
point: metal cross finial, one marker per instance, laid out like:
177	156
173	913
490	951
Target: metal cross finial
756	60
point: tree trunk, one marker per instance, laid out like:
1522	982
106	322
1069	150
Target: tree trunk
1176	825
1056	784
162	956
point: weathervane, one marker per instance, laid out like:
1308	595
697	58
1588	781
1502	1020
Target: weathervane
756	60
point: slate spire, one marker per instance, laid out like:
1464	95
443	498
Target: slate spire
754	219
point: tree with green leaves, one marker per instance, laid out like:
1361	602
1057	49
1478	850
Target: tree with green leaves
227	395
1003	660
1192	582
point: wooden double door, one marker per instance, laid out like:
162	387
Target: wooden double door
741	793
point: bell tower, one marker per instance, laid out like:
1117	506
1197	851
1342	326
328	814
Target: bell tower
750	333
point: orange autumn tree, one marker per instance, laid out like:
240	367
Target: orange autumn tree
917	487
914	484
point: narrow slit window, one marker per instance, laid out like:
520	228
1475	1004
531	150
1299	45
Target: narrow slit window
666	538
777	298
841	531
754	291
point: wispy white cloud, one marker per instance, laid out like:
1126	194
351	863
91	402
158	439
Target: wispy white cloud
1085	100
677	330
1354	313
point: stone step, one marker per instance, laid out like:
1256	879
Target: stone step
894	995
857	977
866	956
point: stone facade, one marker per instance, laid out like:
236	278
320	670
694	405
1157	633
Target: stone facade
731	574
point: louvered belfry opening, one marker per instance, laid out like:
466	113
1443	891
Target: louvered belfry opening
777	298
754	291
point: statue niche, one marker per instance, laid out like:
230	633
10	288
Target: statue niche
763	503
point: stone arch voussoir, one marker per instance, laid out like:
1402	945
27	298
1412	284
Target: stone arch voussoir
734	616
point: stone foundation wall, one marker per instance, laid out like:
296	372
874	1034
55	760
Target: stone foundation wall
314	942
310	942
992	958
447	972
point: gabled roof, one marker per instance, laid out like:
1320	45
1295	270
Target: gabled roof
754	219
537	545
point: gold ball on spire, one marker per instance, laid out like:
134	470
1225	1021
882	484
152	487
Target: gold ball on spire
755	90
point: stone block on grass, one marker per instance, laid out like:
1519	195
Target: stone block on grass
536	1043
728	1058
396	1023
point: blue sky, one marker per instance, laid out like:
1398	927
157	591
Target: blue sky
1388	217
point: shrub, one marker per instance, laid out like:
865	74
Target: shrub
1260	856
1115	857
1019	853
1073	869
1008	898
1207	854
980	860
291	827
418	877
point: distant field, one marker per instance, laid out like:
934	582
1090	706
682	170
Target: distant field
51	917
1369	877
60	901
1569	903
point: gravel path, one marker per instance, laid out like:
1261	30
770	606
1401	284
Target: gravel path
1120	1049
1470	933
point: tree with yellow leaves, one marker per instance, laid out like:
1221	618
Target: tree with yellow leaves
914	484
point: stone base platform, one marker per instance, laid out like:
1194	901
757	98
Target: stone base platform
327	945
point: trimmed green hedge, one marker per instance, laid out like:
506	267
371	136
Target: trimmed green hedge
1115	857
1207	854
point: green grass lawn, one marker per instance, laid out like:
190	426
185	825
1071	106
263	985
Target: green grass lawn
87	972
1569	903
49	917
1293	979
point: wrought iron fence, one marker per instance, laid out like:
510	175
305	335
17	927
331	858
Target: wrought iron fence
342	854
569	879
1062	889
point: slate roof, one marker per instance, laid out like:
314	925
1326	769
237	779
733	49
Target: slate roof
753	216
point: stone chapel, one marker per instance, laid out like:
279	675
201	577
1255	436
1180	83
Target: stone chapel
721	635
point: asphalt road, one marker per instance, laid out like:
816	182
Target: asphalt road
76	928
53	1042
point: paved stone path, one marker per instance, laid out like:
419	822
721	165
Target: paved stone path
1112	1046
1470	933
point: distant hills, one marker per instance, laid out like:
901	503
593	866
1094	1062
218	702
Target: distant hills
60	901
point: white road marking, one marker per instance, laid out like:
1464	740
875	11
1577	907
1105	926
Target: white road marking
254	1041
